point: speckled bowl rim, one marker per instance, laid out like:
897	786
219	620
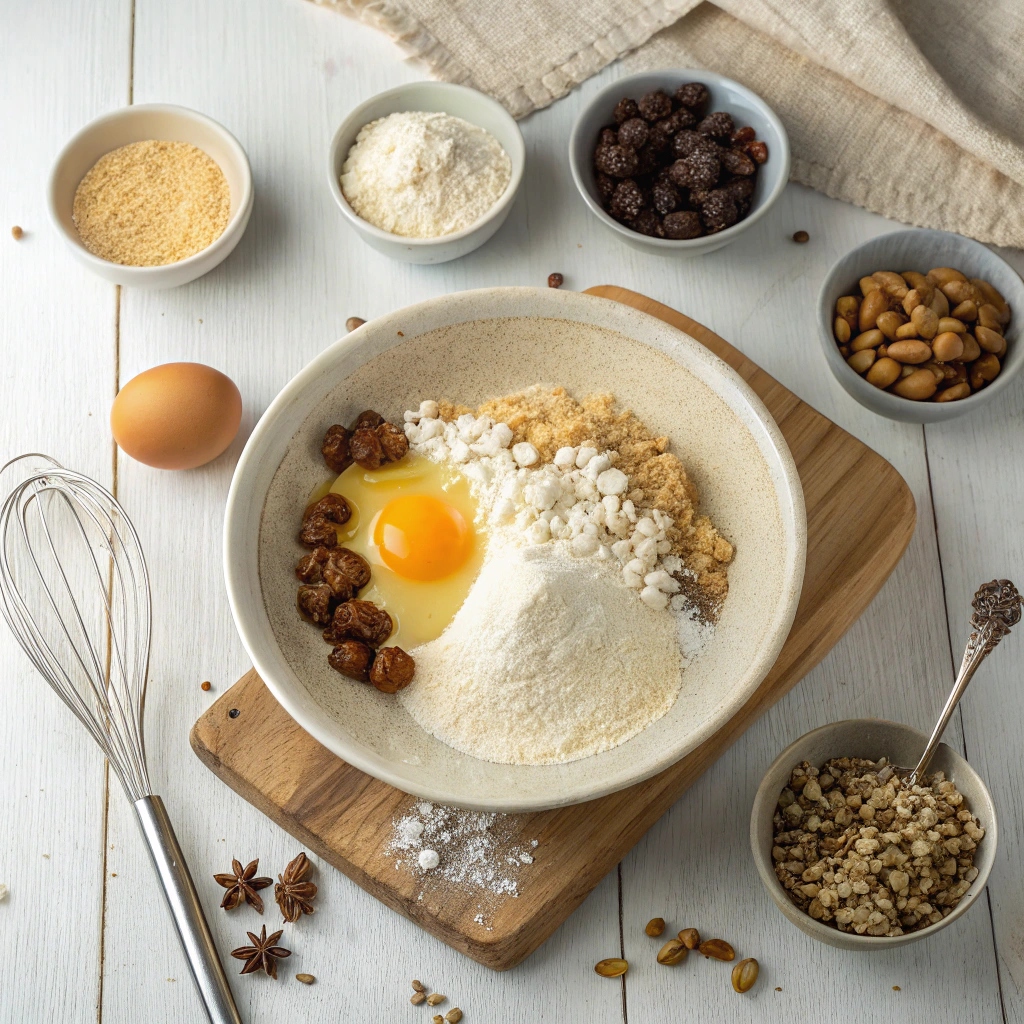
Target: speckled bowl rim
517	158
242	576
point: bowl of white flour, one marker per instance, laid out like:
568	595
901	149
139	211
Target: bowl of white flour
426	172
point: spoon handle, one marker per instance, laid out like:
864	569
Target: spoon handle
997	609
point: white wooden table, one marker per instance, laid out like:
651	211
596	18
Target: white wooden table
83	933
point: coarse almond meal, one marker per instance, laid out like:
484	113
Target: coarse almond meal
151	203
856	848
550	419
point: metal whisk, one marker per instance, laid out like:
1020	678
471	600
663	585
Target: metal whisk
74	589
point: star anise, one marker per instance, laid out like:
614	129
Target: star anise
262	955
294	896
241	885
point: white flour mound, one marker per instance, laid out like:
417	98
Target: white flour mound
549	659
423	175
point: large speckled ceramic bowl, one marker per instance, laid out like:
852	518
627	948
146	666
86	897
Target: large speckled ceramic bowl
467	347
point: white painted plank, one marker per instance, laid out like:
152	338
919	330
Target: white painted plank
978	483
63	64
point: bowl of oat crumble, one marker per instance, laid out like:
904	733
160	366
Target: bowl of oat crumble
858	861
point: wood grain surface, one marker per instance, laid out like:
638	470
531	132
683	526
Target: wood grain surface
860	518
87	939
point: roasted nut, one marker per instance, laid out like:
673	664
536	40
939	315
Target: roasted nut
989	340
951	323
938	303
915	280
393	442
315	603
842	330
891	283
914	298
613	967
939	276
966	311
717	949
917	385
868	284
993	298
988	316
848	307
923	318
359	620
392	670
860	361
744	975
959	291
318	531
672	953
332	507
352	565
937	371
869	339
655	927
310	567
883	372
844	351
954	393
690	938
352	658
947	346
757	151
881	352
875	303
909	351
983	370
365	448
335	448
889	323
906	331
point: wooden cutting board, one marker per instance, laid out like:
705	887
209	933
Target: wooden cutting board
860	517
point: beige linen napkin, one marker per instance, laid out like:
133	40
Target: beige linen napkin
910	108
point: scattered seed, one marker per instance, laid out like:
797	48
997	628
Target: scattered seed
555	280
234	713
17	233
418	985
353	322
672	953
438	1019
435	999
613	967
306	979
717	949
895	988
655	927
417	998
801	237
453	1016
778	988
690	938
204	686
744	974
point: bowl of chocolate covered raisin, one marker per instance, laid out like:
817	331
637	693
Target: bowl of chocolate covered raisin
678	162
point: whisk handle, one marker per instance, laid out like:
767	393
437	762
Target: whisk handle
187	911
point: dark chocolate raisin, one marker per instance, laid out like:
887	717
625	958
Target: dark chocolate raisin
625	109
352	658
655	105
332	507
359	620
318	531
366	448
665	197
315	603
686	143
618	161
684	224
647	160
340	584
310	567
719	211
676	121
354	566
718	125
736	162
393	442
608	137
647	222
335	448
392	670
693	95
627	201
605	186
633	132
739	188
698	170
368	418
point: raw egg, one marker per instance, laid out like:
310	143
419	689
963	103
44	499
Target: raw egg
176	416
414	521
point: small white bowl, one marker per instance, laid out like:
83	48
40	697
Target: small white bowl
439	97
870	738
746	107
920	250
165	123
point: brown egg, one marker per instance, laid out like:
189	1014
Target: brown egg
176	416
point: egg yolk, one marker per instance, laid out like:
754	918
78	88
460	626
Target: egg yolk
421	537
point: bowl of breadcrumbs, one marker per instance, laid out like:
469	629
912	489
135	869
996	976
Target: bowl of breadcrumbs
151	196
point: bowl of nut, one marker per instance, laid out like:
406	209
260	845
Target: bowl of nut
921	326
678	162
857	859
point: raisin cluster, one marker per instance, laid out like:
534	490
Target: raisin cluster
669	169
332	575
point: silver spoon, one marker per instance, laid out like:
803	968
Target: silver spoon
997	608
